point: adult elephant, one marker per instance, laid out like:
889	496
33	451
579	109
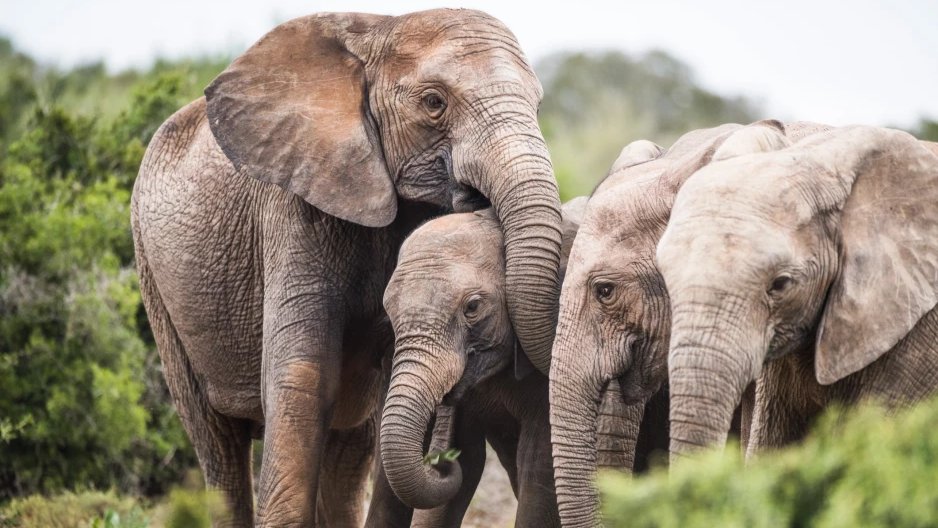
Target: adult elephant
614	315
267	219
822	283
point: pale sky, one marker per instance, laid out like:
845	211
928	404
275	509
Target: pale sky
839	62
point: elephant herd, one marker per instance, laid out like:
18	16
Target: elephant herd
353	248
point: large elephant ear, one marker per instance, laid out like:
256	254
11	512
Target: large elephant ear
888	276
292	111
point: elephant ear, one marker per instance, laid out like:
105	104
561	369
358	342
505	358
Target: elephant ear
292	111
888	277
572	214
761	136
635	153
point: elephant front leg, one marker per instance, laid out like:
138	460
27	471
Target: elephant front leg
537	499
786	403
299	397
347	462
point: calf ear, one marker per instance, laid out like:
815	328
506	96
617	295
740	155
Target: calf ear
888	277
292	111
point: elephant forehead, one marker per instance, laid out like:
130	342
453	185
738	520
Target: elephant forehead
769	187
461	48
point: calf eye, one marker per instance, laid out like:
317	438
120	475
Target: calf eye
472	306
780	284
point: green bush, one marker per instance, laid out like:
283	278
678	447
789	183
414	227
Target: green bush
858	469
71	510
83	404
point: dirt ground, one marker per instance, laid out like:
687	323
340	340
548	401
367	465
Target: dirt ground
494	504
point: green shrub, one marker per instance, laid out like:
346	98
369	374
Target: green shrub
863	468
83	404
73	510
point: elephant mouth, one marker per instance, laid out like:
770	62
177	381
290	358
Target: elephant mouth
467	199
630	390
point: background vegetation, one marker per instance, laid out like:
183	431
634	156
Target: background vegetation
83	406
862	469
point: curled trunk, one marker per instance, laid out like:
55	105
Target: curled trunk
414	394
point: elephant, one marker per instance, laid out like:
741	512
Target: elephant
614	317
454	350
808	267
267	217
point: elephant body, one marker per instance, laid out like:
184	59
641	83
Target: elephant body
614	321
267	219
820	286
456	354
210	333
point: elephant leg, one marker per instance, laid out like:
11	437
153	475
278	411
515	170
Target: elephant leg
344	479
470	440
653	434
787	401
385	509
222	444
537	498
298	407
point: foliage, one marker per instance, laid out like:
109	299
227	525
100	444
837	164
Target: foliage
83	403
860	469
435	458
73	510
927	129
596	103
186	506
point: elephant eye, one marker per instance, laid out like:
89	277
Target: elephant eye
604	291
780	284
434	103
472	306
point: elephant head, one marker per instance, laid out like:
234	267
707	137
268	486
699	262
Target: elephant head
447	303
827	247
614	317
354	112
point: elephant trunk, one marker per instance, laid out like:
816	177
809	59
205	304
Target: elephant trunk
421	376
617	430
513	170
709	367
574	408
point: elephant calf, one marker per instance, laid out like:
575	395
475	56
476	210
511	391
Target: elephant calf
454	352
812	267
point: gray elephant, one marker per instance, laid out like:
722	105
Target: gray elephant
614	320
811	267
454	358
267	217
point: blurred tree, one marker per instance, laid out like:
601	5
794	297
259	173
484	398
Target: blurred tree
596	103
927	129
83	403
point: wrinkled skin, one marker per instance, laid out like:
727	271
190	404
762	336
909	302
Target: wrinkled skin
455	358
614	315
267	219
821	284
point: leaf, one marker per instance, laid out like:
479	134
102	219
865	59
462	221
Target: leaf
434	458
